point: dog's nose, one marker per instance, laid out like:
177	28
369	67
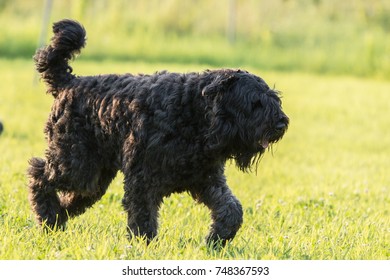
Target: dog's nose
280	125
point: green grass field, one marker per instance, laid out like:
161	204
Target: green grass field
323	192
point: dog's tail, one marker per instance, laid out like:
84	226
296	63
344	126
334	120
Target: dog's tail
52	61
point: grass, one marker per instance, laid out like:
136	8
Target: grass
322	193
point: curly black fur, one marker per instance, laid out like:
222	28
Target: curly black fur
167	132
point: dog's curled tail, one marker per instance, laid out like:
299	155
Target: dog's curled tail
52	61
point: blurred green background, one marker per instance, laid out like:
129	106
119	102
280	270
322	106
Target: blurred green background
348	37
325	193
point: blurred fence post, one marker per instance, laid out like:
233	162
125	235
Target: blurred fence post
45	23
231	25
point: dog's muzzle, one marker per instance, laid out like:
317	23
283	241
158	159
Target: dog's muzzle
276	133
281	126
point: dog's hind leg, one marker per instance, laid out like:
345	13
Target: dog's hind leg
141	204
43	197
226	211
76	203
53	203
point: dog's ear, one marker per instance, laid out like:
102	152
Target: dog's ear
220	84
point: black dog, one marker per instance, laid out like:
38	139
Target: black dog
166	132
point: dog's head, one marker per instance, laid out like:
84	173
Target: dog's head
245	116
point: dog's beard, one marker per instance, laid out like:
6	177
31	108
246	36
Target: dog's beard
245	161
251	156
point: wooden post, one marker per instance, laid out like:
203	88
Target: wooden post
231	25
43	35
45	22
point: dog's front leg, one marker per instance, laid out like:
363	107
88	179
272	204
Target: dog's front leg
226	212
